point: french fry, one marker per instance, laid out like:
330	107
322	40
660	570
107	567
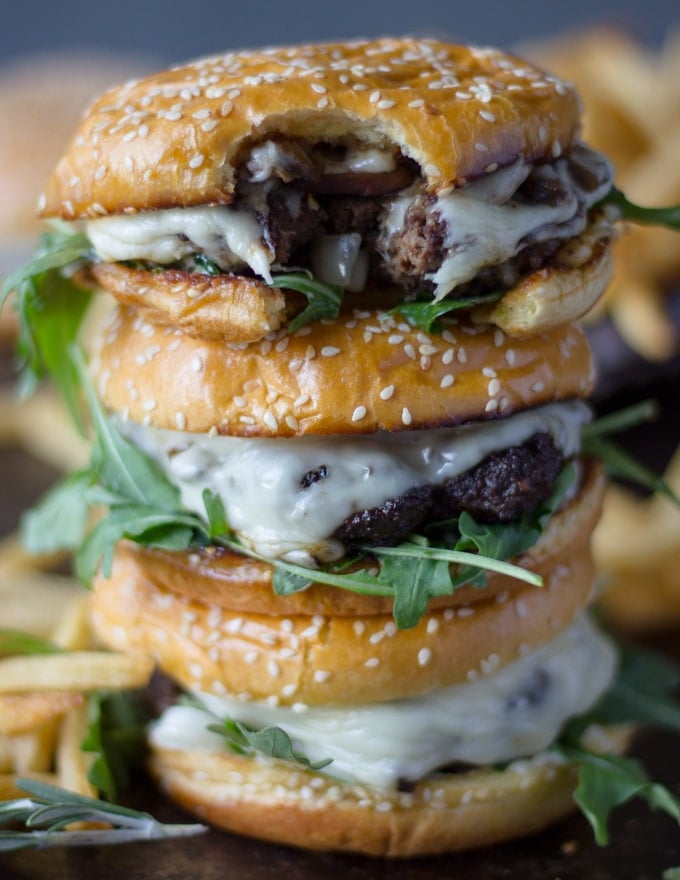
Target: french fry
72	631
21	713
33	601
78	670
33	752
71	761
15	558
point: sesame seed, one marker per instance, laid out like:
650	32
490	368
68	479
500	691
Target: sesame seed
226	108
273	669
494	387
321	675
359	627
410	351
538	387
481	148
251	657
196	161
372	662
374	97
180	421
406	416
270	420
197	364
387	392
417	103
489	117
329	351
319	89
520	608
292	423
359	413
424	656
491	406
322	103
432	625
209	125
385	104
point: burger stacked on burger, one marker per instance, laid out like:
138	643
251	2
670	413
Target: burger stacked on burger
348	276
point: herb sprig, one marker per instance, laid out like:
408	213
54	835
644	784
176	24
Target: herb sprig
49	810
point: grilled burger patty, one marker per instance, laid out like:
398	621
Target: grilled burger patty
501	488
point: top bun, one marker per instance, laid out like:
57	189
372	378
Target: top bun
175	138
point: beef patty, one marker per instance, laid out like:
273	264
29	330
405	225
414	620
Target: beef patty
501	488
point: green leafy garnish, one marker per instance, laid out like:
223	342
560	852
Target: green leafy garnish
116	737
273	742
619	463
607	781
15	642
205	265
425	313
324	300
642	692
67	503
671	874
49	810
669	217
51	309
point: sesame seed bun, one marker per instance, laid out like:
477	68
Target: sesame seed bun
174	138
344	658
359	374
445	812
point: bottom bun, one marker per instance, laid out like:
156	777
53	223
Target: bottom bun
275	801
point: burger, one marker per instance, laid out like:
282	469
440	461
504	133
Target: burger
338	416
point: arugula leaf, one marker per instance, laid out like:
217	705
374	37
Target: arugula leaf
217	517
59	520
50	809
273	742
671	874
205	265
15	642
123	468
606	782
425	314
621	420
144	524
642	692
669	216
619	463
51	308
414	582
324	300
117	737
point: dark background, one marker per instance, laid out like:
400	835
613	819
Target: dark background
172	30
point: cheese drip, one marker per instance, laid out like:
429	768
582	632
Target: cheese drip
485	224
260	480
515	712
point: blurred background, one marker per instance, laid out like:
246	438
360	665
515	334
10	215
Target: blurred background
172	31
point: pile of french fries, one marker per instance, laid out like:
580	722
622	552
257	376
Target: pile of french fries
632	113
43	711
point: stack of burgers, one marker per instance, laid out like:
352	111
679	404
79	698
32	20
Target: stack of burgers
348	276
